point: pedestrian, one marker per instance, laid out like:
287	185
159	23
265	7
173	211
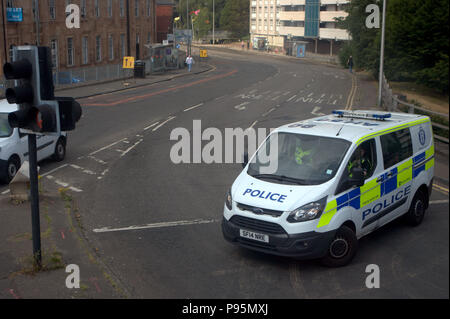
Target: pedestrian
242	44
350	64
189	62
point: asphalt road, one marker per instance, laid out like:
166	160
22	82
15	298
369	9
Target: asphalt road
161	221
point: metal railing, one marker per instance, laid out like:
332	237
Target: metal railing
392	102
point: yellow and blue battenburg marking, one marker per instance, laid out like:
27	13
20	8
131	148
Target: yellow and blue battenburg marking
373	190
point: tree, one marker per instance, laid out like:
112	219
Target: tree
235	18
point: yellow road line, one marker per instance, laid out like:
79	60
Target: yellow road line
441	189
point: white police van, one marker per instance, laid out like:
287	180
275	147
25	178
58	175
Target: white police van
335	179
14	145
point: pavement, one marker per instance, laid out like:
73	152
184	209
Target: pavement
62	245
94	89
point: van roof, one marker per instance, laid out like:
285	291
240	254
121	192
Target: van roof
5	107
353	128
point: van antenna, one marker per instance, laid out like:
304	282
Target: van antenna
340	130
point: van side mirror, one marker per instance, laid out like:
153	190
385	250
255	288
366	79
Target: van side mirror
357	178
245	162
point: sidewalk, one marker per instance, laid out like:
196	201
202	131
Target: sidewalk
310	57
86	90
62	244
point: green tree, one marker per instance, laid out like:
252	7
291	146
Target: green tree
235	18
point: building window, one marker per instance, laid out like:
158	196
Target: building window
98	48
51	5
85	50
110	8
122	8
111	47
97	8
83	8
122	45
54	52
136	8
149	38
70	50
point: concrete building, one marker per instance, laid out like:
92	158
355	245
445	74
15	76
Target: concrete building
279	23
100	40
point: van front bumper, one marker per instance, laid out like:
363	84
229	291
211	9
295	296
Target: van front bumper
310	245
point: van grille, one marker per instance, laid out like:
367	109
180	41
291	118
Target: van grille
260	211
257	225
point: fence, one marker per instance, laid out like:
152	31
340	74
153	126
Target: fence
394	104
159	62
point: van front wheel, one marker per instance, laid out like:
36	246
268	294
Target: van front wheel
342	248
416	213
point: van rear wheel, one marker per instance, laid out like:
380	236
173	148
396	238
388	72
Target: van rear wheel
12	167
342	248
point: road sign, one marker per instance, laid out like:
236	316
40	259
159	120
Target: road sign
203	53
128	62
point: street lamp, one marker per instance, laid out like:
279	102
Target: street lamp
382	54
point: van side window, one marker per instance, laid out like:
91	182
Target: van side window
396	146
364	157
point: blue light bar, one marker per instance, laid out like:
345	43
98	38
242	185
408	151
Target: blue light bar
367	115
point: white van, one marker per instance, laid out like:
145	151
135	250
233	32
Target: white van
14	145
337	178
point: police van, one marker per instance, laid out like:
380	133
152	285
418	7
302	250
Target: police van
14	145
334	179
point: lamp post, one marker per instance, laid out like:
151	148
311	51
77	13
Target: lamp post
382	54
4	31
214	22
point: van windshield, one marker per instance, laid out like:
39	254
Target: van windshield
298	159
5	129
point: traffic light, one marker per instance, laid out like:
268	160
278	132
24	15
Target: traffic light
39	111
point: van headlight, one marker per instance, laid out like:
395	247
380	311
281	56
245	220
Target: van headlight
229	200
307	212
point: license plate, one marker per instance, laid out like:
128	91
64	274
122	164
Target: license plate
254	236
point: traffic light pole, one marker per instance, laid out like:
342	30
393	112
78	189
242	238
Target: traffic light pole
34	194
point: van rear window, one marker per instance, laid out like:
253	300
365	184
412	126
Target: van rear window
5	129
397	147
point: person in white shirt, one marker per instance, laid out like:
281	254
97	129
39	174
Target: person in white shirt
189	62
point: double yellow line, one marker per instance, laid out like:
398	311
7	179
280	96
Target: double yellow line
351	96
440	189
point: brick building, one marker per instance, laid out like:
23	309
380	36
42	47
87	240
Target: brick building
164	19
100	40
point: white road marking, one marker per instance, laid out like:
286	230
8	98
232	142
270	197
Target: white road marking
157	225
251	126
241	106
5	192
286	93
315	110
54	170
108	146
193	107
130	148
77	190
97	160
291	98
61	183
276	98
162	124
443	201
269	111
150	126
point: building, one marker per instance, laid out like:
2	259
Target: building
164	19
279	23
100	40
